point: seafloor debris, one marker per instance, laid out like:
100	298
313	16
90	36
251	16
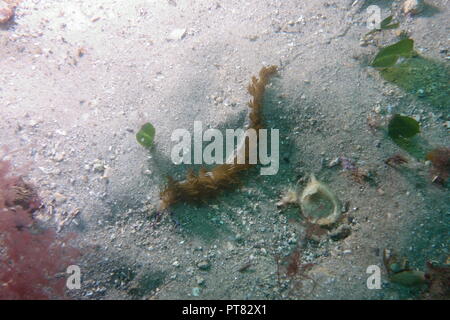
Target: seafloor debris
396	160
359	175
374	122
208	184
438	280
177	34
319	203
25	196
291	267
289	197
342	232
399	271
440	158
314	231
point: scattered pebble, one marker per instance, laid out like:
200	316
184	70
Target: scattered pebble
107	173
334	162
196	291
342	232
413	6
98	165
177	34
200	281
6	12
59	198
421	93
59	156
204	265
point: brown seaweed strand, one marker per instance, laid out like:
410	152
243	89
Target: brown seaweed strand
208	184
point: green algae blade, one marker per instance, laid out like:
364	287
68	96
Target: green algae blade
146	135
389	55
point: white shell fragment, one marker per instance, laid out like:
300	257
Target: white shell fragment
177	34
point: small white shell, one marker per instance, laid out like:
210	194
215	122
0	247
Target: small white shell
319	203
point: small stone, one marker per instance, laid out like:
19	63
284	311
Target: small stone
6	12
290	196
32	123
413	6
292	240
204	265
363	43
200	281
229	246
334	162
176	264
377	143
59	198
196	291
341	232
421	93
447	124
177	34
390	109
59	156
107	173
98	166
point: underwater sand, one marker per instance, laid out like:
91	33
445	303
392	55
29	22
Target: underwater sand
78	79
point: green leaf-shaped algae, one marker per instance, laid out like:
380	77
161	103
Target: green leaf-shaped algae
403	127
146	135
389	55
